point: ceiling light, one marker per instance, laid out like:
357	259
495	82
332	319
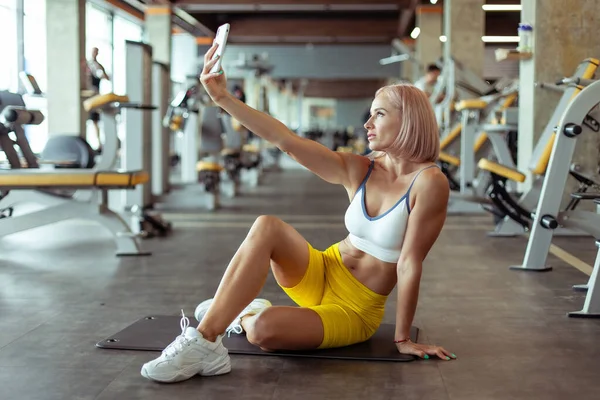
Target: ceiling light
415	32
501	7
500	39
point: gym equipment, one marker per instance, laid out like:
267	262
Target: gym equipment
47	188
456	82
232	155
209	151
517	215
154	333
582	117
181	118
480	127
68	152
60	151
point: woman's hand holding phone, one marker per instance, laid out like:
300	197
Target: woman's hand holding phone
214	83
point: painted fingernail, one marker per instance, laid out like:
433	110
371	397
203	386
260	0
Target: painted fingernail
221	72
453	355
426	357
447	358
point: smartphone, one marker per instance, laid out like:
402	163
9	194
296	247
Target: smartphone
221	40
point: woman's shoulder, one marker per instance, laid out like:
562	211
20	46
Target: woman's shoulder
433	181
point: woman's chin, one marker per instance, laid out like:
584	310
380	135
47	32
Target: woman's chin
374	147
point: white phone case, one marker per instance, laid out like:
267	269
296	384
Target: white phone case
221	39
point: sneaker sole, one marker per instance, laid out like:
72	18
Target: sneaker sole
189	372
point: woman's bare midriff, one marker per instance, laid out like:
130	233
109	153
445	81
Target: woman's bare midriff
377	275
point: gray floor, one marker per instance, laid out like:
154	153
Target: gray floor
62	290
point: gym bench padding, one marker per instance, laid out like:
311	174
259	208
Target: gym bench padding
501	170
154	333
71	179
102	100
445	157
471	104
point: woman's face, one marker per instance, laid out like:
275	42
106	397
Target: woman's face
384	124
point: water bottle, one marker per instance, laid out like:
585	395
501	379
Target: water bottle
525	37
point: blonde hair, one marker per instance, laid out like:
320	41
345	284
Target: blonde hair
418	139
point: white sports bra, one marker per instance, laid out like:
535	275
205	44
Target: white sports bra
381	236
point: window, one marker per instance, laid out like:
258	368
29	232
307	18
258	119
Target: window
124	30
34	38
9	74
98	31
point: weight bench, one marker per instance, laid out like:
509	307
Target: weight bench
54	190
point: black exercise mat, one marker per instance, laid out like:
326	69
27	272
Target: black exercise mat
156	332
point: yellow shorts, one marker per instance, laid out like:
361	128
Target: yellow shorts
351	312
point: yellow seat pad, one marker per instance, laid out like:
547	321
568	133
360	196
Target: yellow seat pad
473	104
70	178
229	152
445	157
103	99
208	166
250	148
501	170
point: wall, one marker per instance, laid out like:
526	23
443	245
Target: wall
323	61
351	112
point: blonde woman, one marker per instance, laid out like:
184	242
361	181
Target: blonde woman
398	201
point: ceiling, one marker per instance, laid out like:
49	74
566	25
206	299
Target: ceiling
317	22
323	21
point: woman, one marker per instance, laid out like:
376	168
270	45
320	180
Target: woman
342	290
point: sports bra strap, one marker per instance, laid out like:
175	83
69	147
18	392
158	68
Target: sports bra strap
415	178
364	181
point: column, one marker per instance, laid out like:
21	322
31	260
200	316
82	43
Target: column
65	41
464	25
428	44
158	32
158	35
561	40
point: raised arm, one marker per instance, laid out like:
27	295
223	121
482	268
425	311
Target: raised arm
331	166
425	223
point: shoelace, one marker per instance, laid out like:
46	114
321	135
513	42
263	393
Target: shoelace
180	340
237	328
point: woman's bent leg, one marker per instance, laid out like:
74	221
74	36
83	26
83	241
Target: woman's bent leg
270	242
284	328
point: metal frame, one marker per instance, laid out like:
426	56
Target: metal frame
547	216
530	198
58	209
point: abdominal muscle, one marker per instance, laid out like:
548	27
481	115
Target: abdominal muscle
377	275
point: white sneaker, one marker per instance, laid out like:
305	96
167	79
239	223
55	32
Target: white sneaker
189	354
256	306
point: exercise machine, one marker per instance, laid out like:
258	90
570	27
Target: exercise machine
485	129
581	119
515	214
63	194
60	151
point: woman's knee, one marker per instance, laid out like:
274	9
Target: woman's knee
263	331
265	226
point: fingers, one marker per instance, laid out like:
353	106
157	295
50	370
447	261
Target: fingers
209	54
443	353
208	65
207	77
440	352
